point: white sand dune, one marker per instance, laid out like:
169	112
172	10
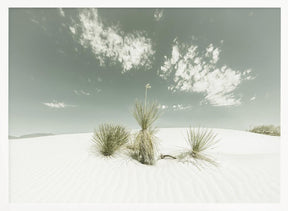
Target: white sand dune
64	168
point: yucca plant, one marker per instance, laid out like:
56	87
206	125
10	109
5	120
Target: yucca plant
144	144
145	115
200	140
144	147
109	138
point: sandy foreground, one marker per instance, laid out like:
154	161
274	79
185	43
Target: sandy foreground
65	168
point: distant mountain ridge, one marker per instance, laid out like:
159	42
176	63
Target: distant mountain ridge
33	135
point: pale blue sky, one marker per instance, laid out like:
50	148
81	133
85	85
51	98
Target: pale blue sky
72	69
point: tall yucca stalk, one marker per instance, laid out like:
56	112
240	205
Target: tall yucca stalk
146	89
145	115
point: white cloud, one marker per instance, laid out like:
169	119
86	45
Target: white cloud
61	11
191	70
180	107
164	107
57	105
175	107
175	54
72	29
158	14
252	98
81	92
35	21
98	79
131	50
40	23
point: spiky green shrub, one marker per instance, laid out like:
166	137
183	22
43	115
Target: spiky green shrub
109	138
144	143
145	115
266	130
200	140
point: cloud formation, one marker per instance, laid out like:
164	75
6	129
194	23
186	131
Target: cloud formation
190	69
40	22
57	105
86	93
131	50
175	107
253	98
61	11
81	92
158	14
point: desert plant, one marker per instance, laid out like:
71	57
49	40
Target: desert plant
200	140
144	143
144	146
145	115
109	138
266	130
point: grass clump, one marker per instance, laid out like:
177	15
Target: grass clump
266	130
109	138
200	140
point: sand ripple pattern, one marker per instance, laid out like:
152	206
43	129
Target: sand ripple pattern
63	169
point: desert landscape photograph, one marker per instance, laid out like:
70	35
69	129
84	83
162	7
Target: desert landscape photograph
144	105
